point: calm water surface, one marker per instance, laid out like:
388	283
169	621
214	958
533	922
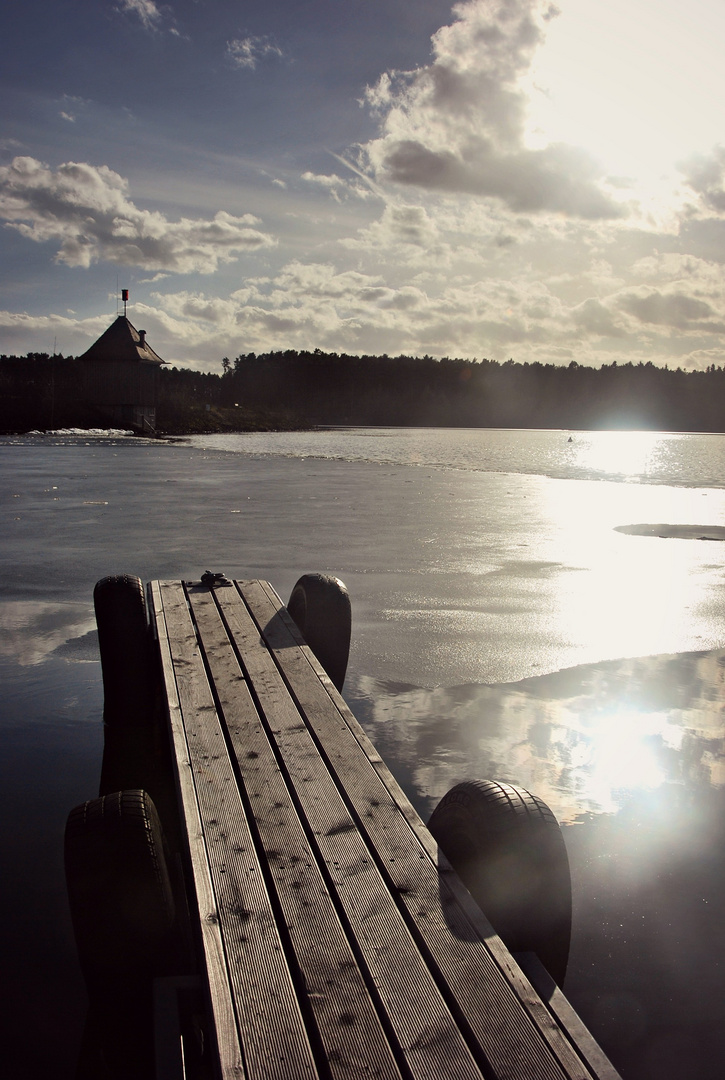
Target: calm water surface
631	456
504	627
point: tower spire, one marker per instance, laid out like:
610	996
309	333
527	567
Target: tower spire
124	297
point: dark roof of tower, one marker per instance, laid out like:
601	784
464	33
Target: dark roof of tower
122	341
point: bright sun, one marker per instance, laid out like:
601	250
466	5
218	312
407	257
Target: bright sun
637	83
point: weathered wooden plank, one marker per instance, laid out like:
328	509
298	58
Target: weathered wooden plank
553	1029
219	990
572	1024
272	1030
514	1039
350	1030
428	1035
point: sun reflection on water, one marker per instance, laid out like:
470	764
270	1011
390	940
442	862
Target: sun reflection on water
626	454
618	594
586	740
621	751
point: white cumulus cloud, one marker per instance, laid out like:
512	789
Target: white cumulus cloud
458	124
409	230
86	210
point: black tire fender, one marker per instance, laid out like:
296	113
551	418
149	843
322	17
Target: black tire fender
320	606
119	889
126	647
506	846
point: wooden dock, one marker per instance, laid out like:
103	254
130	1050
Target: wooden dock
334	939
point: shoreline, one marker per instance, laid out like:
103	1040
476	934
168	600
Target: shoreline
172	432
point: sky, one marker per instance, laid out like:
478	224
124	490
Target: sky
497	178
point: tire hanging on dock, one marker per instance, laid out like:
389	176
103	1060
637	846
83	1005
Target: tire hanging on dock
119	889
126	648
506	846
320	606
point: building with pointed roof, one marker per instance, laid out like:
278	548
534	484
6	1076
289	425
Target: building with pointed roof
121	374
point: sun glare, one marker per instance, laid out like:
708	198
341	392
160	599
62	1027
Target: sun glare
619	453
620	754
619	595
637	85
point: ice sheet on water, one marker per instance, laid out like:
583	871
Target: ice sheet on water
95	432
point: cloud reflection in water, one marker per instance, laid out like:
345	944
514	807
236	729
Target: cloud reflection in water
630	756
32	630
584	739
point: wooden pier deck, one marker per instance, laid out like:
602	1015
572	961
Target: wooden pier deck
334	938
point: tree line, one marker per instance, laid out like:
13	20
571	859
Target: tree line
294	388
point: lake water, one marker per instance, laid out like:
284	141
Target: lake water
504	627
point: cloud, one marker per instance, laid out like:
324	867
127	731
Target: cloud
22	332
332	183
438	310
458	125
246	52
70	105
683	274
670	294
304	306
195	306
705	173
408	229
596	319
673	308
315	305
87	210
338	188
150	15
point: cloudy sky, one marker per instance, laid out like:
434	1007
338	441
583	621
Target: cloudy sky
499	178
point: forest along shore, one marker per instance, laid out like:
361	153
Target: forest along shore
288	390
